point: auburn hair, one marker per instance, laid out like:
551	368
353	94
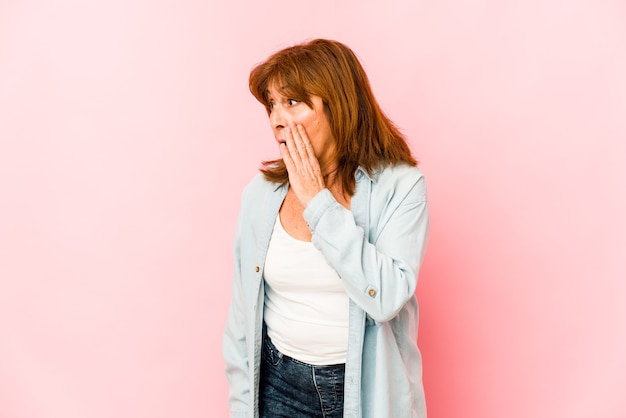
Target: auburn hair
364	136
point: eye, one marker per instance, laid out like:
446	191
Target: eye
292	102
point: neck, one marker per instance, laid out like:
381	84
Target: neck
330	174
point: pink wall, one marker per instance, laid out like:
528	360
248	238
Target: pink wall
127	133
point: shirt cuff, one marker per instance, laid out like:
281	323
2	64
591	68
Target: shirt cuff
317	206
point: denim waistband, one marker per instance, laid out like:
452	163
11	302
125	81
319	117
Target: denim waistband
276	355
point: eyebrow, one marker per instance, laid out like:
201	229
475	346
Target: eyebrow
281	88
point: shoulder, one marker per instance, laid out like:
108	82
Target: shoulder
258	186
398	172
258	191
400	180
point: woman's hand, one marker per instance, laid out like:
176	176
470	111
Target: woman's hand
305	175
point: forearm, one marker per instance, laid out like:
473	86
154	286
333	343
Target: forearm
380	276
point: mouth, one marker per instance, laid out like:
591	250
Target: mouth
280	141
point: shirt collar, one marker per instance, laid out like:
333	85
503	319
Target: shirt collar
361	172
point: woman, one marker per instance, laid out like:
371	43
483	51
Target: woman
330	238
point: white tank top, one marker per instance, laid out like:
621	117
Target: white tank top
306	305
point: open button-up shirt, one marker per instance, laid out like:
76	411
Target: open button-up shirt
377	248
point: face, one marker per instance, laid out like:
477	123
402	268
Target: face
285	111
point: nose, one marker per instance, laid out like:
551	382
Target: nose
277	118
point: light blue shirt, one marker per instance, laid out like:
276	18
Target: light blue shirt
377	248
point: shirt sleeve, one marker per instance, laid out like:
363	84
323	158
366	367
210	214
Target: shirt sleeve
234	341
379	272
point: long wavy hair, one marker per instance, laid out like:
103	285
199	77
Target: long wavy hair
364	136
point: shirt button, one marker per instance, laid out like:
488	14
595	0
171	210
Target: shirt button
371	292
257	269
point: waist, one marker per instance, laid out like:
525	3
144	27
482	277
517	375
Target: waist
306	340
276	355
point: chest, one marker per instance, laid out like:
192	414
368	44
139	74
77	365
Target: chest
292	219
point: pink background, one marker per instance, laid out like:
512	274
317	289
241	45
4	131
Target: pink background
127	133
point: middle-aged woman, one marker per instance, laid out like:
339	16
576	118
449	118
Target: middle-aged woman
329	242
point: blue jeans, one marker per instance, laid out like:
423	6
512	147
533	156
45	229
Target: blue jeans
292	389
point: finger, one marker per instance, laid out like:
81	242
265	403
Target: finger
290	153
302	141
306	150
288	160
292	147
